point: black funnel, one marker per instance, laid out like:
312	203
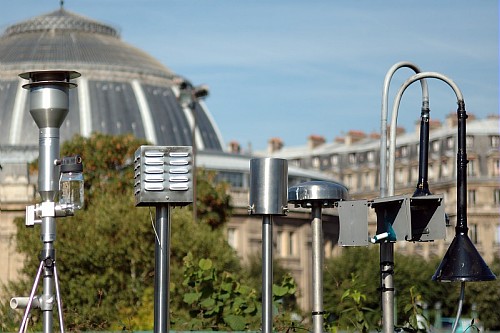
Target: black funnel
462	262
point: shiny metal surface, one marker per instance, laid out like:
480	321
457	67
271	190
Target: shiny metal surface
268	186
49	103
267	274
317	268
325	192
162	270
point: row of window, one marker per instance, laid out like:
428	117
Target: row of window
287	243
319	162
444	170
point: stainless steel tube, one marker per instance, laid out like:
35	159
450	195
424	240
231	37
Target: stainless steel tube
162	273
387	285
267	274
317	268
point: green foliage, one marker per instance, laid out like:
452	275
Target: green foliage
213	203
215	300
355	315
357	269
416	322
105	253
413	283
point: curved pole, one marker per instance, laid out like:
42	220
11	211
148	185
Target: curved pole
397	100
383	122
387	248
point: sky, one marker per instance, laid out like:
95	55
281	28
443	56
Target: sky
294	68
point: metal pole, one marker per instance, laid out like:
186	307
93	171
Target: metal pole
267	273
387	248
49	105
162	264
317	268
387	285
423	184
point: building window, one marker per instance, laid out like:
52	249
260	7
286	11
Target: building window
279	243
495	141
400	176
370	156
316	162
352	158
497	234
471	168
430	171
404	151
496	197
445	170
435	145
348	180
450	142
235	179
474	233
496	167
414	173
335	160
292	244
232	237
367	180
286	243
471	197
469	141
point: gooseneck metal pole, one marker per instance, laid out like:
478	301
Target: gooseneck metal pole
387	248
317	267
394	115
162	264
384	114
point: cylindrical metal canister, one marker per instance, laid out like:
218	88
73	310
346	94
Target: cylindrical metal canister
268	186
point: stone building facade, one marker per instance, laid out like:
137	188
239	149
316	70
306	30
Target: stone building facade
354	160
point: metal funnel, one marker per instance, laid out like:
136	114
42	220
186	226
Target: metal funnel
462	262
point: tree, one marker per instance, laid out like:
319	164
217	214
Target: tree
413	283
105	253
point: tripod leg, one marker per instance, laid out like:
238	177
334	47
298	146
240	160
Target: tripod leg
24	323
58	296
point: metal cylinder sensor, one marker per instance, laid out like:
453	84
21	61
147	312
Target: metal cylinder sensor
268	186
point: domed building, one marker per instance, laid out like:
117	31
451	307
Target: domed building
122	89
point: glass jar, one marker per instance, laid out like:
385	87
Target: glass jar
71	182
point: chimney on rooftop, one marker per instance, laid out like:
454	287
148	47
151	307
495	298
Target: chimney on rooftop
274	145
234	147
314	141
354	136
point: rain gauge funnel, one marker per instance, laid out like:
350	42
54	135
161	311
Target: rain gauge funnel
462	262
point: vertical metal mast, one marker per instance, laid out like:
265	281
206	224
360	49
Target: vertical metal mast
268	197
49	101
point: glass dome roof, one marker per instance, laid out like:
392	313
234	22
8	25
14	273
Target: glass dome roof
122	88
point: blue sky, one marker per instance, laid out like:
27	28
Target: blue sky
293	68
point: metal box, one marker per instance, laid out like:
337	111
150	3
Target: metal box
163	174
393	217
428	221
353	222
